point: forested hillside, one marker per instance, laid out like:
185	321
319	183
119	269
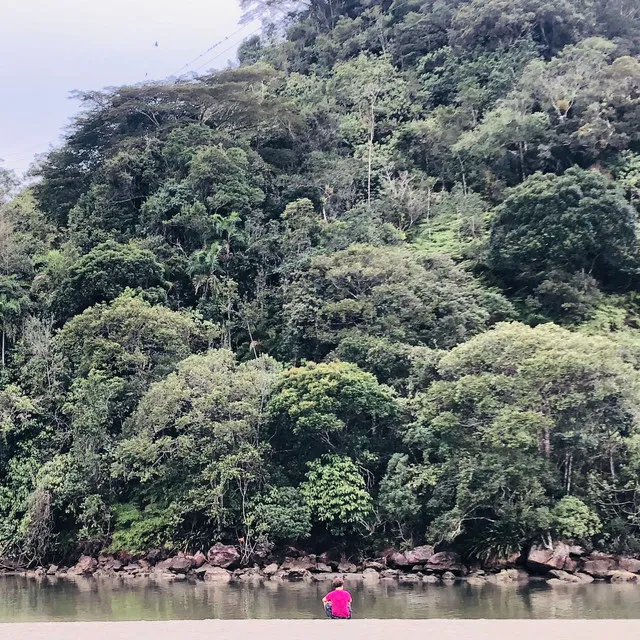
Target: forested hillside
376	285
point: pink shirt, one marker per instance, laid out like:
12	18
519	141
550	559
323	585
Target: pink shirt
339	599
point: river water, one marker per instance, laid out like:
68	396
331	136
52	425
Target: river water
49	599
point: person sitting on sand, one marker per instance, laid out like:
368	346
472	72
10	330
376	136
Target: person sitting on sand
337	603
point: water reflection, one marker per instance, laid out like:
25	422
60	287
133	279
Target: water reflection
28	599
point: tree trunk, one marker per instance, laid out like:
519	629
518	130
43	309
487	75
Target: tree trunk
546	443
372	130
612	464
429	212
569	472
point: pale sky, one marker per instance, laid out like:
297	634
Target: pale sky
51	47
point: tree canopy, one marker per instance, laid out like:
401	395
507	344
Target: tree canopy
376	284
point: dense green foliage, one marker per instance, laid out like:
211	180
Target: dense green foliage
375	285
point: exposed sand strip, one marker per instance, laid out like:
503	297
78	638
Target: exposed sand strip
327	630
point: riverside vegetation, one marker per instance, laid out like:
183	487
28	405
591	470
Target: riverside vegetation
375	286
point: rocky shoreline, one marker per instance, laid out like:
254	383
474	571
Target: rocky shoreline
562	564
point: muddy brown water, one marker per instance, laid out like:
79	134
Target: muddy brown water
91	599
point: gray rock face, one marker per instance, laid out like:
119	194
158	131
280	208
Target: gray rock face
562	557
261	554
322	577
199	559
217	574
223	555
623	576
398	560
200	571
304	563
389	573
420	555
431	579
556	582
347	567
507	576
110	564
181	565
156	555
178	564
629	564
248	575
543	559
298	574
584	578
564	576
599	565
321	567
370	574
270	569
85	566
445	561
498	563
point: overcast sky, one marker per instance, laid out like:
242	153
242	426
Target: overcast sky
51	47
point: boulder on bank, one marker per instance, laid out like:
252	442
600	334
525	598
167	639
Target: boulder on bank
199	559
248	575
397	560
507	577
558	557
261	555
497	563
217	574
321	567
584	578
85	566
182	565
445	561
223	555
347	567
178	564
600	565
322	577
157	555
629	564
298	565
563	576
332	558
622	576
107	563
420	555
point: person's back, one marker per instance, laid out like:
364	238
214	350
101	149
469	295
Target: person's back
337	603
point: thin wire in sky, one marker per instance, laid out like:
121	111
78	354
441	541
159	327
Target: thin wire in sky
214	46
230	48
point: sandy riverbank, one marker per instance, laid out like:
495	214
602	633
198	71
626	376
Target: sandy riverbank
328	630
